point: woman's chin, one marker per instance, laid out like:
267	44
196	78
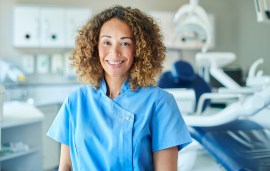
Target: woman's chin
118	75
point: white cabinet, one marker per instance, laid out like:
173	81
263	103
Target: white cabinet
52	27
47	27
25	26
51	148
75	18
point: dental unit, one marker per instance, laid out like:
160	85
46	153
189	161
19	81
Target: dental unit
228	134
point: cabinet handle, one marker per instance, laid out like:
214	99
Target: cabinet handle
27	36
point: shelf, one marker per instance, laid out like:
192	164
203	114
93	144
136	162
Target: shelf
43	80
4	157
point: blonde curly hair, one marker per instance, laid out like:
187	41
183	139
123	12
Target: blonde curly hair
150	50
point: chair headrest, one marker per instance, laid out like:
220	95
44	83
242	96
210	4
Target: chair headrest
182	71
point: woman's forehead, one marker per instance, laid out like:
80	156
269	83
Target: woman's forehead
115	27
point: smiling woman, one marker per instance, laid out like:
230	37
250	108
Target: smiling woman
140	33
116	49
120	120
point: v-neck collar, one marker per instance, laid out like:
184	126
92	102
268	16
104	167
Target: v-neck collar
124	88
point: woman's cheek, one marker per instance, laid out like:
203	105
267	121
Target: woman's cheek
102	52
129	52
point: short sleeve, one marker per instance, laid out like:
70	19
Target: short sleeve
59	130
167	126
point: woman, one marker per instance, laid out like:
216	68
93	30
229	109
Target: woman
120	120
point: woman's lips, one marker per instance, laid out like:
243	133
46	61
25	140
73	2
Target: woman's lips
113	63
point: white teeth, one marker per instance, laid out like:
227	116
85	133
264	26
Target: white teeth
115	63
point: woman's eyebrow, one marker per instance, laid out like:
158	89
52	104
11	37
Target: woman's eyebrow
106	36
126	38
120	38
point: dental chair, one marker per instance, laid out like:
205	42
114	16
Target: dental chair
183	76
239	144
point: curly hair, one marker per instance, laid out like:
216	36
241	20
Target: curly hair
150	50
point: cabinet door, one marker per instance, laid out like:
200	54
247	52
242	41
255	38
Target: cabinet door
26	26
52	27
51	148
75	19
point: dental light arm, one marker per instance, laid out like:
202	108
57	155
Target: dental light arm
222	77
215	60
247	107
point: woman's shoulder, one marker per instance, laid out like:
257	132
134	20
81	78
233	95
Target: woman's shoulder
83	91
155	92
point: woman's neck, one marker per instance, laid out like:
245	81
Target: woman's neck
114	85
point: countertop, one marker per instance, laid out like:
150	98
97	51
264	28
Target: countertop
19	113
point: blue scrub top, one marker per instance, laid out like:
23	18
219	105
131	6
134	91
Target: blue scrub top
118	134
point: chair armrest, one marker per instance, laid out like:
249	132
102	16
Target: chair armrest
214	96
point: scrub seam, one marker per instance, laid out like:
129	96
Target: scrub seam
73	132
159	103
136	144
147	125
120	149
157	107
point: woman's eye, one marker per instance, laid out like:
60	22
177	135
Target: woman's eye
125	44
106	43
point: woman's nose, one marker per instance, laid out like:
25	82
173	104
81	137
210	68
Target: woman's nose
115	52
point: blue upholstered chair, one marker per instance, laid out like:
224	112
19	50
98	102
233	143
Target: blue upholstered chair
241	145
182	75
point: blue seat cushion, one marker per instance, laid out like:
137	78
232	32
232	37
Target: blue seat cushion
183	71
238	145
167	81
197	84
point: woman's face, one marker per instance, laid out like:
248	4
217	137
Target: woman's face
116	48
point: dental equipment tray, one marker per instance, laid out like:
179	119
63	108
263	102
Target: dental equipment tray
241	145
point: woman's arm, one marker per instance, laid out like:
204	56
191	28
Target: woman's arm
166	159
65	161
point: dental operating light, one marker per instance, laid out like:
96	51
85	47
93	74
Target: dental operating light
195	26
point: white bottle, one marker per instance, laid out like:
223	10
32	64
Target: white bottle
57	63
28	63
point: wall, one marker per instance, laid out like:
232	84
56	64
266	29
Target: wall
253	39
236	27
